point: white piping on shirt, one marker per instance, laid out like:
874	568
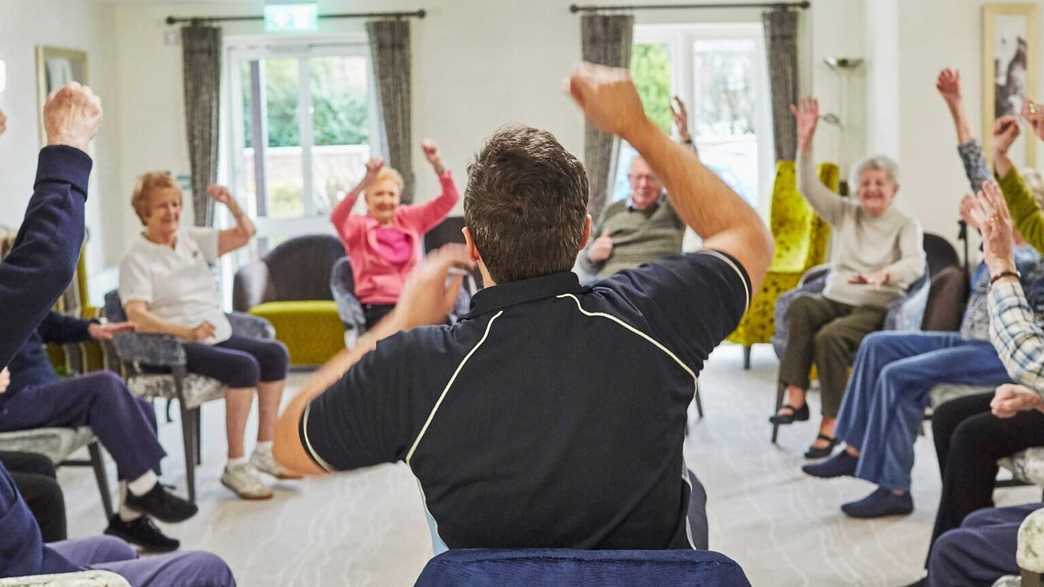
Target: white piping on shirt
739	273
308	443
652	340
449	384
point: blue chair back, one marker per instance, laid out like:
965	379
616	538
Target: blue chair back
605	568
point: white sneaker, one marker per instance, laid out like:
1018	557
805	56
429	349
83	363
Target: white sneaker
266	463
243	480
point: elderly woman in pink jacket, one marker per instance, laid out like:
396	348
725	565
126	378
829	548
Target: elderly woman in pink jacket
383	244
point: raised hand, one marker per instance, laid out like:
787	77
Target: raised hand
967	213
1034	116
72	115
601	249
681	119
3	122
991	215
806	113
1005	131
373	166
431	153
107	331
608	98
949	85
430	290
221	194
1010	399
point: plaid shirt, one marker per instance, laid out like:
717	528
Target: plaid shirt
1016	334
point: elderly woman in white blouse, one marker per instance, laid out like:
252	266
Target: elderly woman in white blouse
167	287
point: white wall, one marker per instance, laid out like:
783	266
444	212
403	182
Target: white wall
71	24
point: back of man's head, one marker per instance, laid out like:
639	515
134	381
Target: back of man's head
525	204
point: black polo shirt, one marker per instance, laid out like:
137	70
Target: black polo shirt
552	415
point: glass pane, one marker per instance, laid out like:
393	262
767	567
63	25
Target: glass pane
651	70
723	113
340	123
245	172
283	161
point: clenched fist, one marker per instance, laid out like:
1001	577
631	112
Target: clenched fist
72	115
608	99
600	250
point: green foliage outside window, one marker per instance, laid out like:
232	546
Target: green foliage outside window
651	70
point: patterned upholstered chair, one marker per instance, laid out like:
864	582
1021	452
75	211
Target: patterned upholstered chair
290	287
1029	555
801	239
58	444
154	367
80	579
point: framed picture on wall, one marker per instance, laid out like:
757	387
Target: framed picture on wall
56	67
1009	71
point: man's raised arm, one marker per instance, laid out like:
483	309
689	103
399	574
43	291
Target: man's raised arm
703	201
45	252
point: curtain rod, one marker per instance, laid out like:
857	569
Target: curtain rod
574	8
171	20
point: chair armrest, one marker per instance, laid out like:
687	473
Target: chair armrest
1030	552
250	326
249	286
80	579
161	350
819	272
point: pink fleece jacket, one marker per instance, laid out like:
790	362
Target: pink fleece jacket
376	280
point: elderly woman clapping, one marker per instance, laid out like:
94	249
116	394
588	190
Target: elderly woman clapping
877	254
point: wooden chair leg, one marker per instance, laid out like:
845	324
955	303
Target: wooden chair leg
100	475
779	404
746	357
188	437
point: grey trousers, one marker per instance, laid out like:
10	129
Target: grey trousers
826	334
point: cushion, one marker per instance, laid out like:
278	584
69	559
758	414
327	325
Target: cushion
946	299
311	330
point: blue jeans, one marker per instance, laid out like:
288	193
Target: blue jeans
982	550
884	405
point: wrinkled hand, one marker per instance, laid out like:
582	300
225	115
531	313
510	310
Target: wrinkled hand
967	213
107	331
681	118
203	331
806	113
5	379
1005	131
72	115
990	214
608	98
3	122
1010	399
949	84
221	194
1034	116
601	249
877	278
430	291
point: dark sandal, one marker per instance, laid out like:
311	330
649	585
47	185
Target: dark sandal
818	452
795	415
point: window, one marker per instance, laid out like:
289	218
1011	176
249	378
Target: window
719	71
301	124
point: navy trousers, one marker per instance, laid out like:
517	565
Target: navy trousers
125	425
981	551
199	569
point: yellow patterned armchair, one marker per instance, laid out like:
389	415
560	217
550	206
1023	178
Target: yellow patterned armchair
801	239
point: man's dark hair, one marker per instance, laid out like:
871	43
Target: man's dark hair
525	204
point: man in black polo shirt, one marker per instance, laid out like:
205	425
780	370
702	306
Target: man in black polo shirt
552	415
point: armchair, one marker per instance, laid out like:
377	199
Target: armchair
801	239
290	287
154	366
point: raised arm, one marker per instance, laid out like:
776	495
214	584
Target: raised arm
238	236
975	168
429	214
43	258
610	101
1027	216
343	210
825	202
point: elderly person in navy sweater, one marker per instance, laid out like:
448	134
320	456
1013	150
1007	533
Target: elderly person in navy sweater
33	275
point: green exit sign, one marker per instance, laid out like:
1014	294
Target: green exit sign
289	16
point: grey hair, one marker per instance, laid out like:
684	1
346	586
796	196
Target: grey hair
877	163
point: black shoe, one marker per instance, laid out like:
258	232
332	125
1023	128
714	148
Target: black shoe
162	504
795	415
142	532
818	452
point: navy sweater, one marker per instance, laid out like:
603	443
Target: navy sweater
33	275
31	365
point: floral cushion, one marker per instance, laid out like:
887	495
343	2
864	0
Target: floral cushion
198	389
1008	581
80	579
1027	466
54	443
1030	554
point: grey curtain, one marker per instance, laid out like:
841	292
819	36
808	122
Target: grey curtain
606	40
390	55
781	43
201	68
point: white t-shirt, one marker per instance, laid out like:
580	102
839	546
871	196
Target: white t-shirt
176	284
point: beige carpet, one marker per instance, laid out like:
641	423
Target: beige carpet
367	528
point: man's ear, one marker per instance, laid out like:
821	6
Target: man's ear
469	242
587	231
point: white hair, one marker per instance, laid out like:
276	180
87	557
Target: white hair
876	163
